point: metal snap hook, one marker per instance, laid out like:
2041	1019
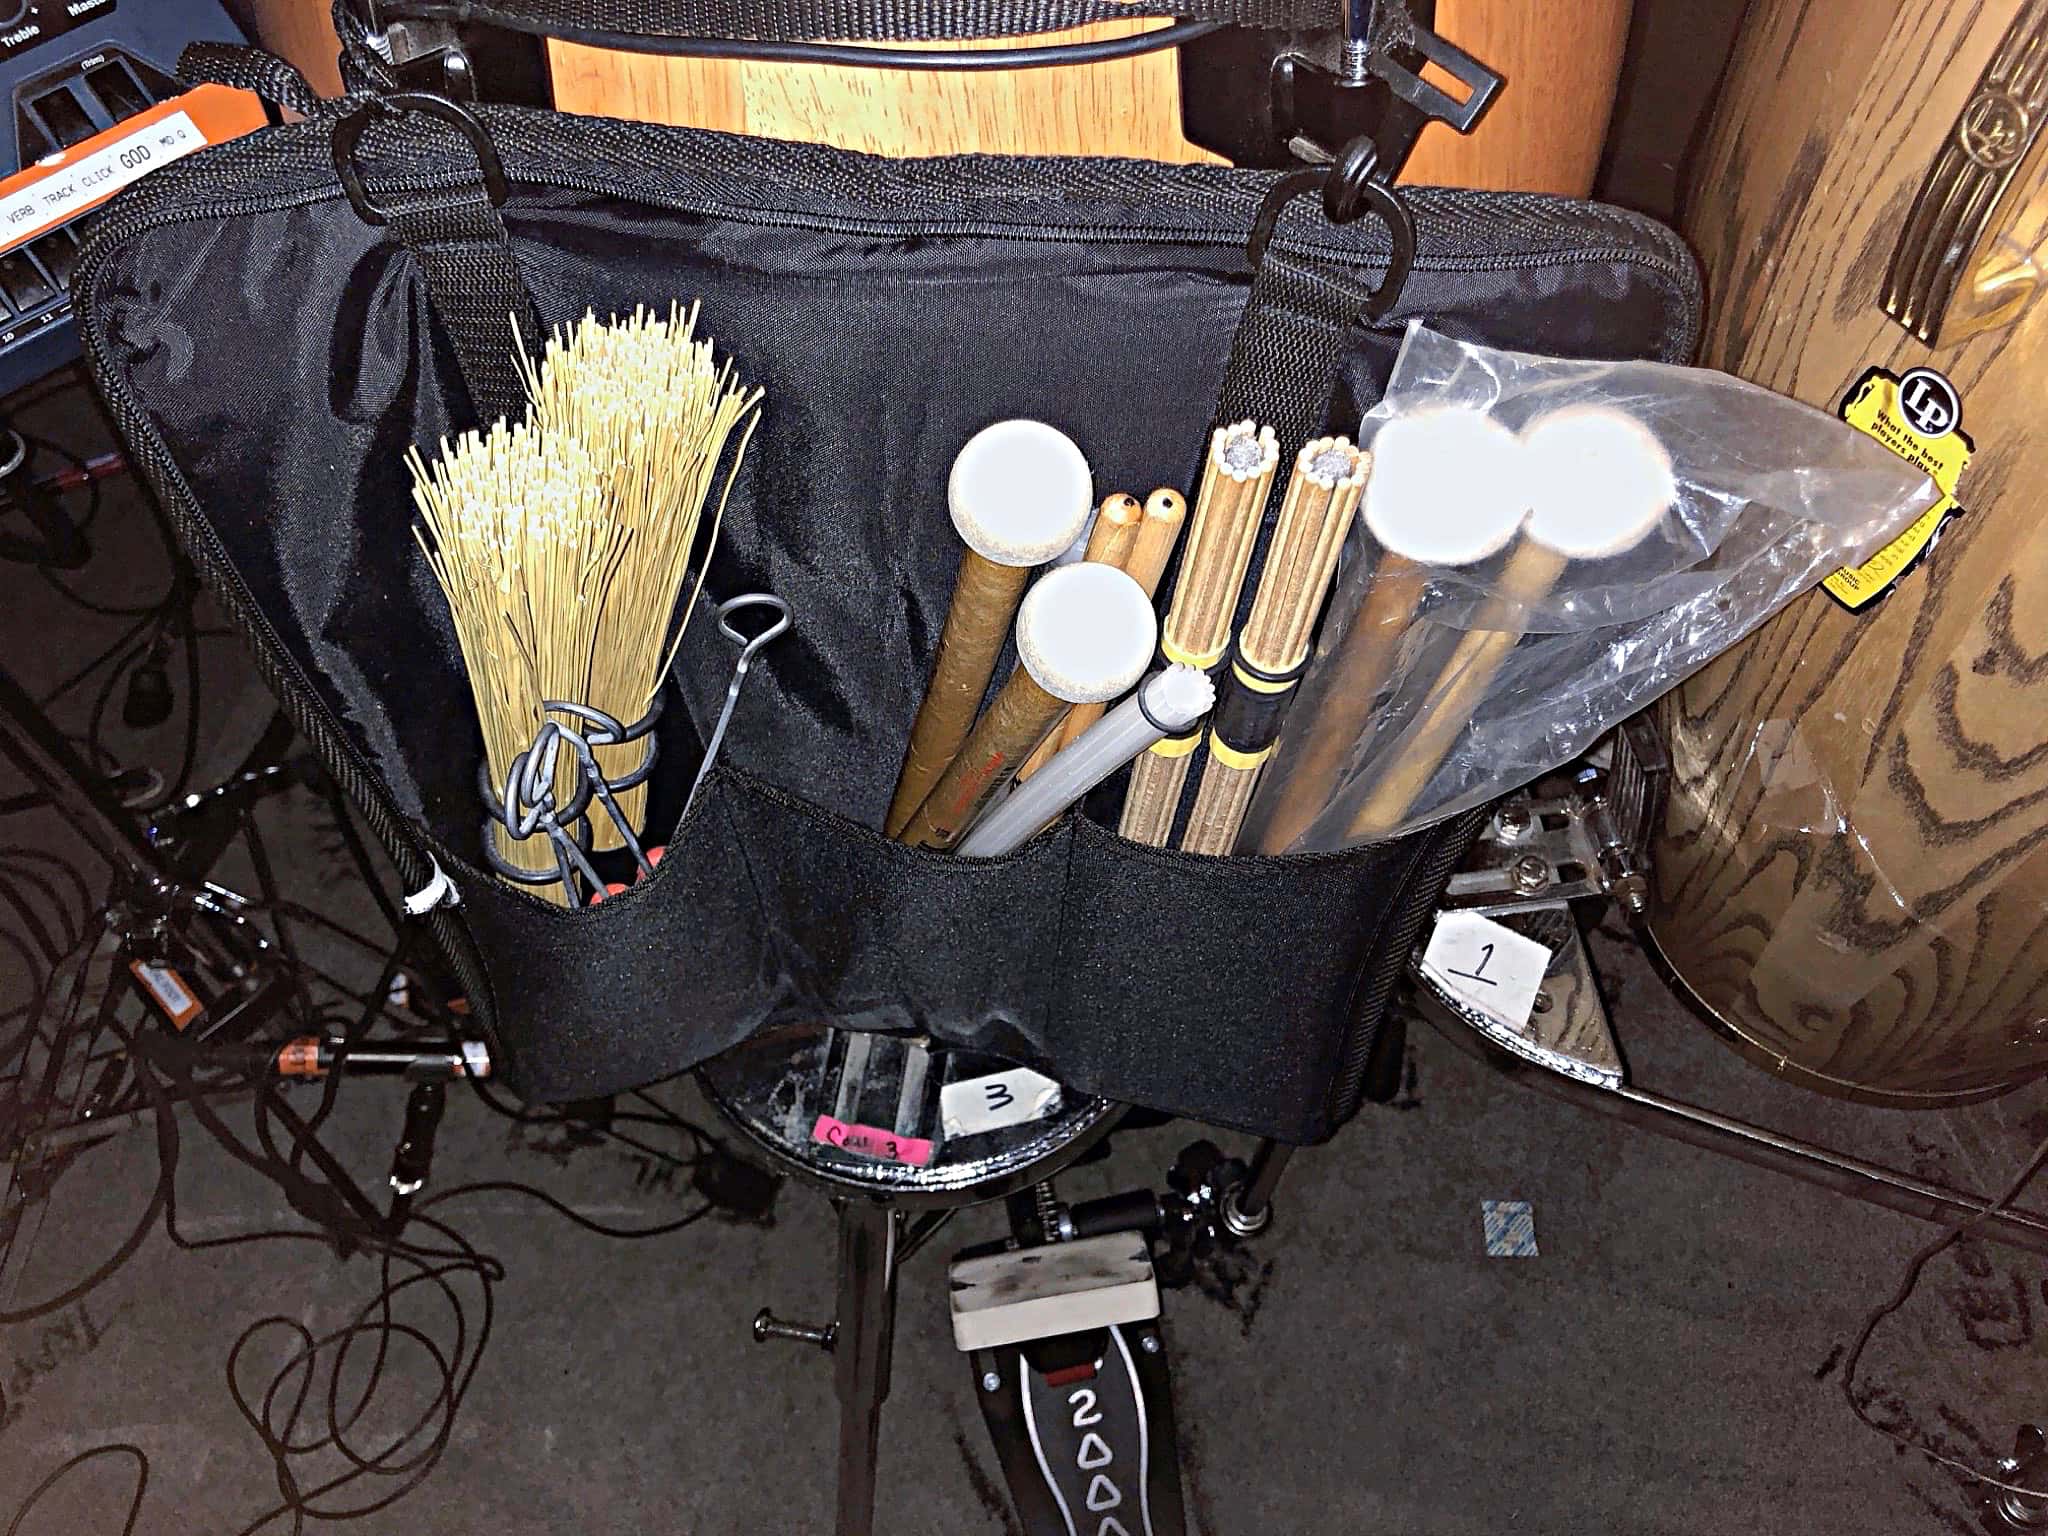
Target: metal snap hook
1348	189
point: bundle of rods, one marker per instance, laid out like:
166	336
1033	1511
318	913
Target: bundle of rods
1018	492
1447	487
564	543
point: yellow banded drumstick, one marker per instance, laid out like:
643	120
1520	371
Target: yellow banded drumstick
1084	635
1446	490
1019	493
1598	483
1110	542
1236	479
1322	493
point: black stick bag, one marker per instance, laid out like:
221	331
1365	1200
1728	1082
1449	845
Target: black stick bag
270	350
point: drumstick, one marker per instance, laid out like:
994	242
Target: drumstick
1018	493
1322	493
1084	634
1445	490
1236	479
1110	542
1165	510
1599	482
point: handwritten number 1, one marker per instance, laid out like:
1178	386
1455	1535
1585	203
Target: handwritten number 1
1478	972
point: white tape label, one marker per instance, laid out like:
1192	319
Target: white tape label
1487	966
990	1103
100	174
171	993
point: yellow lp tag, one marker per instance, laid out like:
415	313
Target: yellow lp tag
1919	416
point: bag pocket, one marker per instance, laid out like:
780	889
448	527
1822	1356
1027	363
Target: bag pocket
655	979
1224	989
871	934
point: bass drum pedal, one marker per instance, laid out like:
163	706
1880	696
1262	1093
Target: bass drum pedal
1071	1373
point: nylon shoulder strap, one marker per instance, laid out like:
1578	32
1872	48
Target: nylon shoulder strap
857	20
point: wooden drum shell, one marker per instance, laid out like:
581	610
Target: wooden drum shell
1853	870
1543	134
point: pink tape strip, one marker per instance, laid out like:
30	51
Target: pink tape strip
883	1146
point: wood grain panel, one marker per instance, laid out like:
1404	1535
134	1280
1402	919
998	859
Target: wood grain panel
1852	874
1125	106
1543	134
301	31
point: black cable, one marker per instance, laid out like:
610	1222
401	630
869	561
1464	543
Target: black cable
128	637
159	1202
1908	1281
123	1449
1040	56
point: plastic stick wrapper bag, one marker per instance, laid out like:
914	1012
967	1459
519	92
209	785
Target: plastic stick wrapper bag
1544	547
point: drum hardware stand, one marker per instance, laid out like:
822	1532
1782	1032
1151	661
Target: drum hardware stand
165	913
1543	857
2003	1511
1076	1386
1275	99
463	60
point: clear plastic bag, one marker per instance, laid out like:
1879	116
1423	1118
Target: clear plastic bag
1544	548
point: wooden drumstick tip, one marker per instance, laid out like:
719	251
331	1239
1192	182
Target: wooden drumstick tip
1085	633
1599	481
1166	505
1166	510
1117	522
1019	492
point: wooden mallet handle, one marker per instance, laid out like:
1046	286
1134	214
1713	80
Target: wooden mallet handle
1019	493
1084	635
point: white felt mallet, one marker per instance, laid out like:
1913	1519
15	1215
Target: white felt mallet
1598	483
1019	494
1446	489
1085	634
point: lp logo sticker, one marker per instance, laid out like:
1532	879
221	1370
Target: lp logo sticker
1930	402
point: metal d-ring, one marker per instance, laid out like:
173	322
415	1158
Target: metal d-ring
1348	189
348	133
750	646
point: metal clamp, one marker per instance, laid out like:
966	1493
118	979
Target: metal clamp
1262	97
348	133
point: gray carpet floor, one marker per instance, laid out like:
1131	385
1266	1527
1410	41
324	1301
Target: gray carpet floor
1668	1362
